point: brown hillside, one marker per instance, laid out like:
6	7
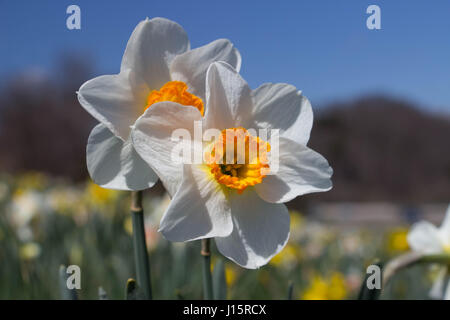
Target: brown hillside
384	149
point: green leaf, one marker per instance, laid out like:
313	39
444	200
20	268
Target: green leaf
290	290
207	278
219	281
140	247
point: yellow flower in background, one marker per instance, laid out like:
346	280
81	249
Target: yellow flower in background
397	240
230	272
128	225
29	251
288	257
317	290
337	287
332	288
297	220
99	197
230	275
447	249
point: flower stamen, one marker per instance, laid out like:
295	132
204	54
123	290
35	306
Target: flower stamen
238	159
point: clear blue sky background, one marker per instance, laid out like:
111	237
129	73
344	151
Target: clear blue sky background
321	46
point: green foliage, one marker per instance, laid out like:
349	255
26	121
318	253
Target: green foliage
45	224
219	281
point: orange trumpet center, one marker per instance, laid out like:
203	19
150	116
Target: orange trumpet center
175	91
237	159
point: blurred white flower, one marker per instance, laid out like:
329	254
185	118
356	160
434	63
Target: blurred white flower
157	65
237	204
25	205
351	244
63	199
426	238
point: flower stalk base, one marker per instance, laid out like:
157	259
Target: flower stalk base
140	247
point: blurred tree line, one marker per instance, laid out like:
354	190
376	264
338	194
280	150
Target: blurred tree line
380	148
384	149
42	125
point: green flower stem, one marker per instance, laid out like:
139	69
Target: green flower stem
290	290
140	247
207	279
219	281
409	259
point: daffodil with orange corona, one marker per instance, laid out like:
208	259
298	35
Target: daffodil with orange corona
233	195
158	65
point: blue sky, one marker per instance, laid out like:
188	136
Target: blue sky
321	46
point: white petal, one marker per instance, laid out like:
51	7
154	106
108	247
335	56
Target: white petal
114	101
260	231
447	289
424	237
191	66
114	164
437	290
228	97
152	140
281	106
444	230
301	171
150	49
199	209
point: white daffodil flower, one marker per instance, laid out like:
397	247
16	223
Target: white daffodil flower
237	204
426	238
157	65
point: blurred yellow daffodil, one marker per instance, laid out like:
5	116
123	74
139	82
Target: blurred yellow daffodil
397	240
29	251
332	288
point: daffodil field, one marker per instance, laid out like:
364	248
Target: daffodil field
50	222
